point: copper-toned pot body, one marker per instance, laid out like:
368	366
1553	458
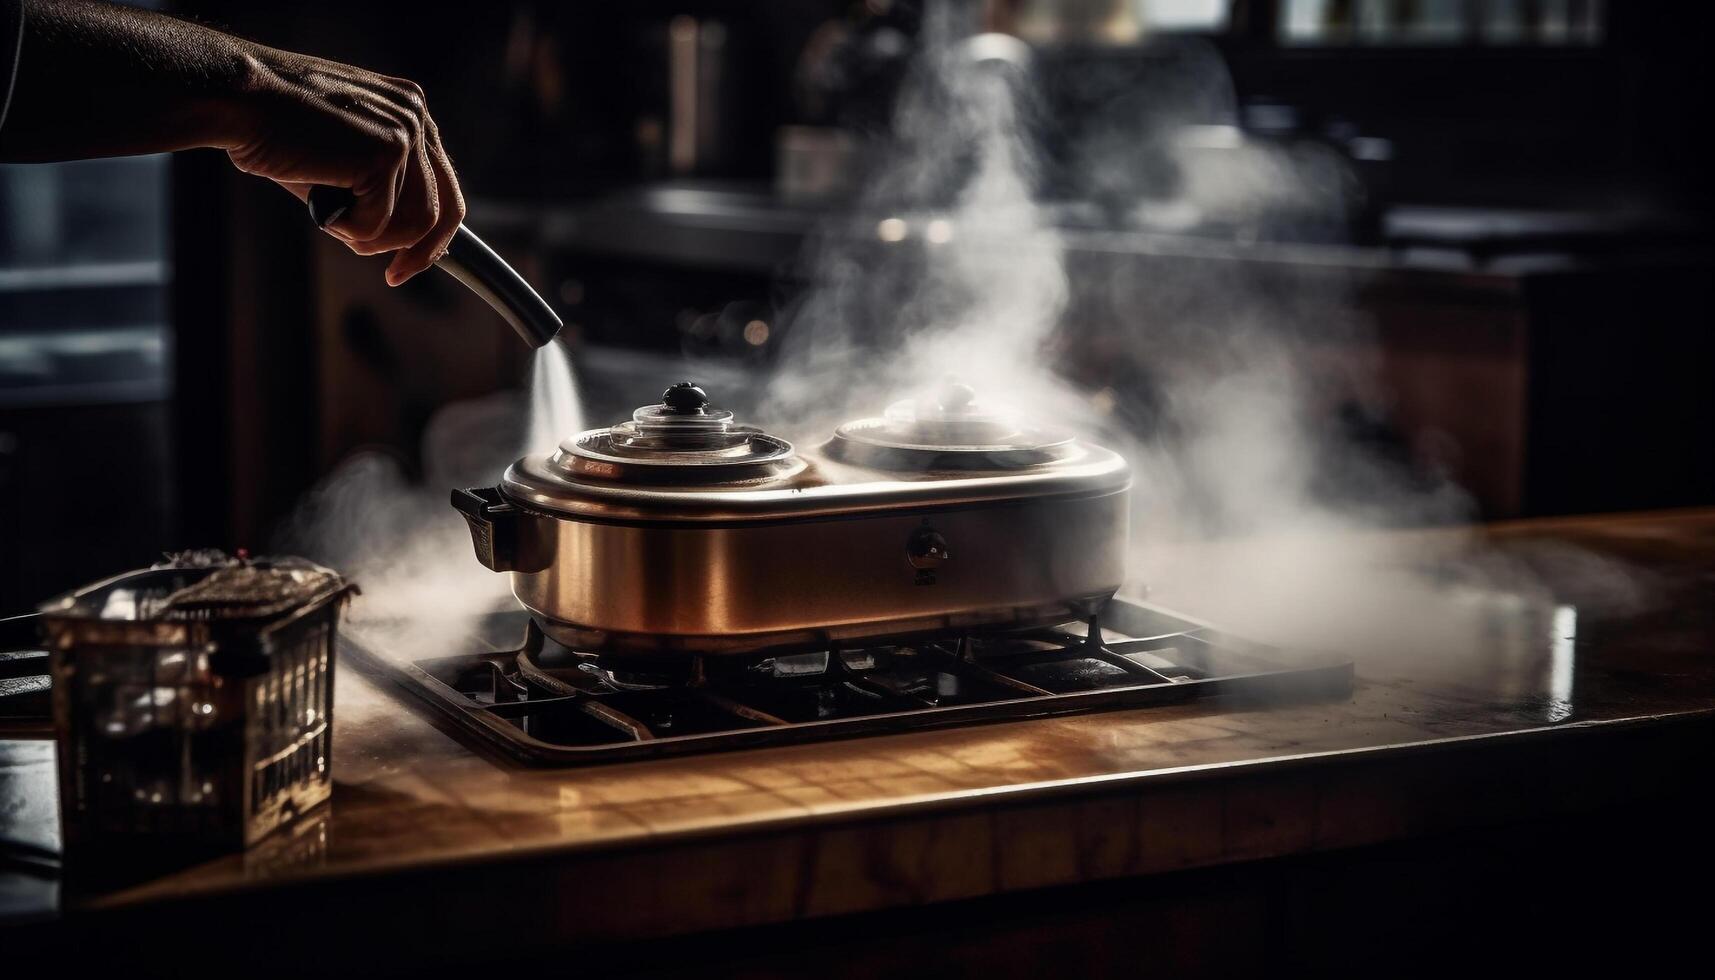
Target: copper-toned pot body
806	549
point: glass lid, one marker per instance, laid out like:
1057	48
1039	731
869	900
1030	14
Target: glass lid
950	429
681	440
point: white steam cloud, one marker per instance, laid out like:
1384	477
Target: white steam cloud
1254	507
424	592
948	266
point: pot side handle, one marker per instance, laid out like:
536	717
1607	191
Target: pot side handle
493	526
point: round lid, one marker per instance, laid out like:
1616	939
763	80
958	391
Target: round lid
682	440
950	429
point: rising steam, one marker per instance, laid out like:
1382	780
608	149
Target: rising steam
1252	508
947	265
423	589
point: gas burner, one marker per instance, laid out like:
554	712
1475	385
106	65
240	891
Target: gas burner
548	704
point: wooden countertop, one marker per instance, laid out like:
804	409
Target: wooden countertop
1543	710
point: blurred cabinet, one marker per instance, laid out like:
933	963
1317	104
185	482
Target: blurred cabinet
85	377
1571	388
387	359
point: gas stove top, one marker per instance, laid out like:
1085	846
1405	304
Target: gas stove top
544	704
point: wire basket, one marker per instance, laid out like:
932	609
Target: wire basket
194	703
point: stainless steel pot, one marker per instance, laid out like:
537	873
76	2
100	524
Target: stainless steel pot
683	531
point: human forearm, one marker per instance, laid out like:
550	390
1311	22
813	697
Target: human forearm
101	80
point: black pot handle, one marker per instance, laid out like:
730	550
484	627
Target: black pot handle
469	260
493	526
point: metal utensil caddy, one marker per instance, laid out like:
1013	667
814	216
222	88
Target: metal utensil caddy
207	726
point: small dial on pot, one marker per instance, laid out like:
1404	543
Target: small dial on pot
926	548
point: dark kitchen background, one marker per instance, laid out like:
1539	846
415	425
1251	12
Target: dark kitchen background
1527	228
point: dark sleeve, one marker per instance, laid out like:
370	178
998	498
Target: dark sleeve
11	35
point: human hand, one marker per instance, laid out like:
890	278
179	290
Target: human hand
303	121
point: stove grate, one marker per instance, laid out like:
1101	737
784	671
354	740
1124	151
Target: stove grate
544	704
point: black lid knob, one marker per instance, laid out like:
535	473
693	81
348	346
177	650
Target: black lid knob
685	398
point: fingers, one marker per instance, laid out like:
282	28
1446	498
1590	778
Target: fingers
416	208
432	245
378	189
424	209
299	189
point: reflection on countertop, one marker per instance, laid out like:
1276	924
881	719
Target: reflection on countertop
409	795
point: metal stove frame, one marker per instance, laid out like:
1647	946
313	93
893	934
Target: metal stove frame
1133	636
